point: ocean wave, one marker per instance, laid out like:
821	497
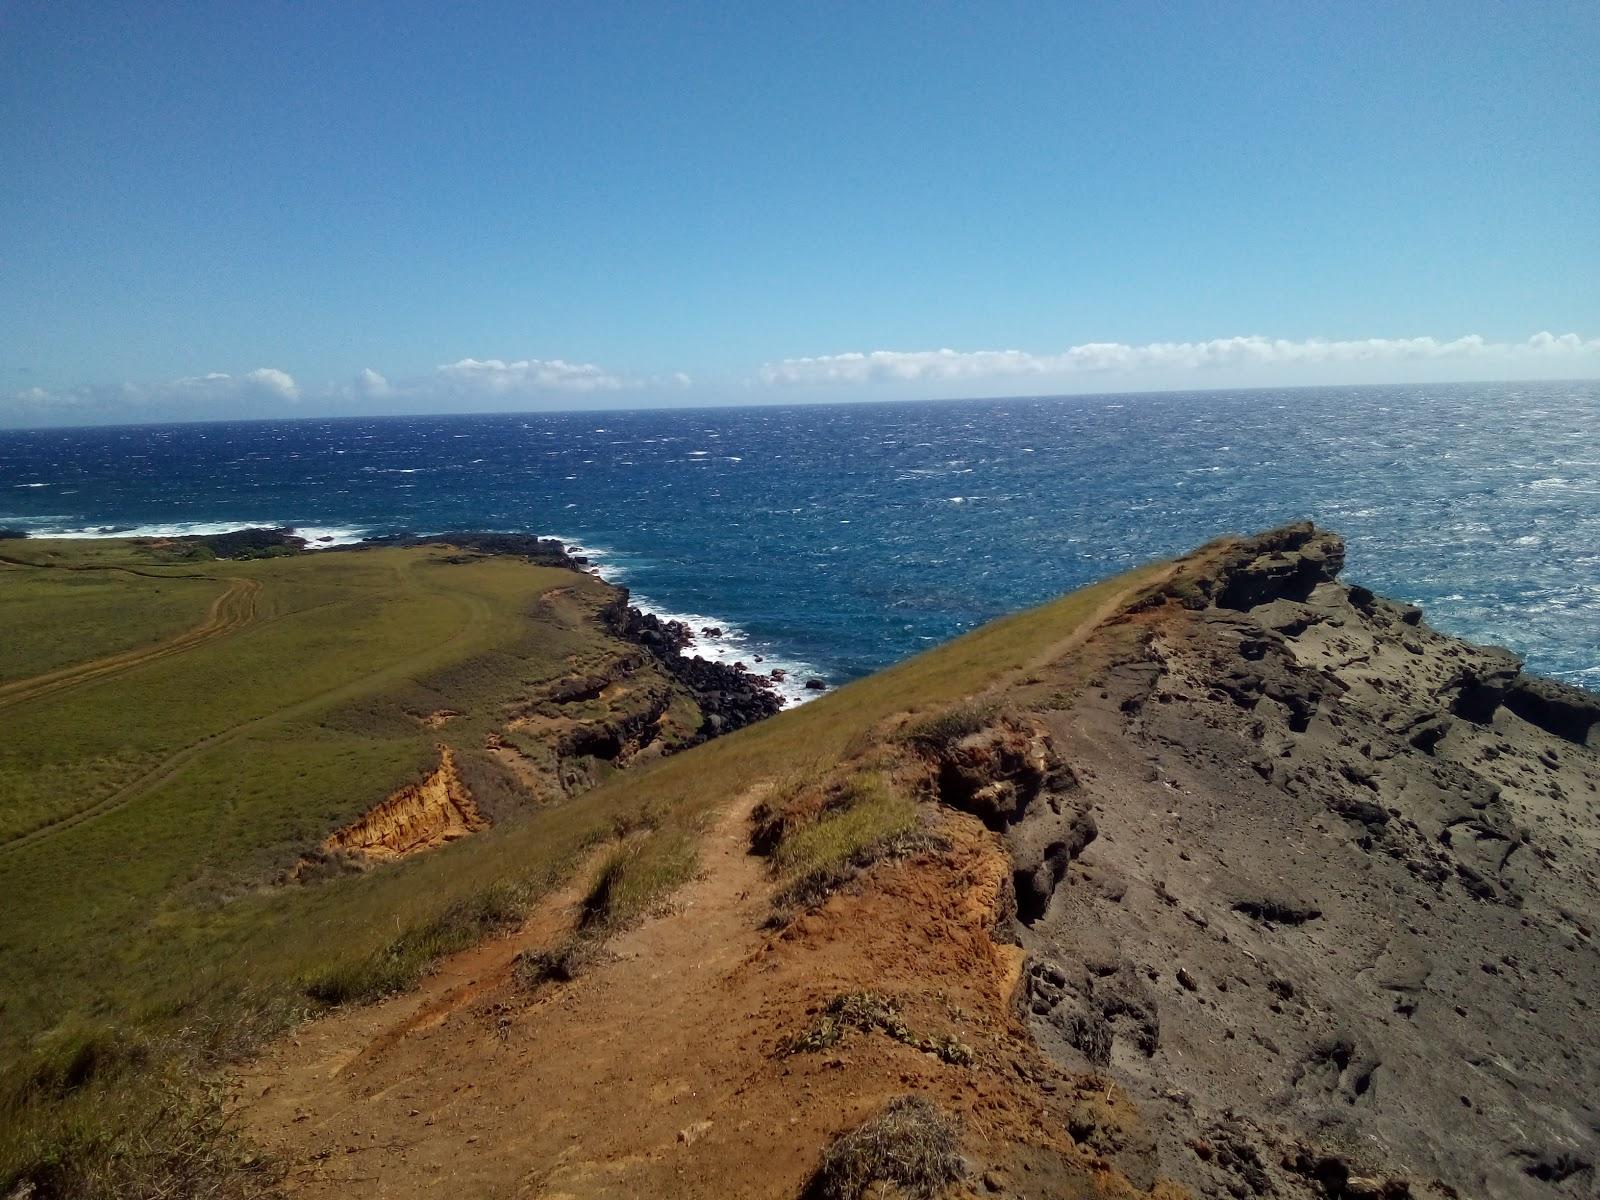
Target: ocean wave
729	645
318	537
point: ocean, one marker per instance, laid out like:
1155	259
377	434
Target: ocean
833	540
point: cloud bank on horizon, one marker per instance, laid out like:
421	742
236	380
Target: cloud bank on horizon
478	385
898	366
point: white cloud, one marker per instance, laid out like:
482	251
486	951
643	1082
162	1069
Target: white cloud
217	394
267	391
493	384
269	380
370	383
528	376
901	366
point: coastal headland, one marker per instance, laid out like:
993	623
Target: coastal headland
425	868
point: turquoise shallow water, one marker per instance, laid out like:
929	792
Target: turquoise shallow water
840	538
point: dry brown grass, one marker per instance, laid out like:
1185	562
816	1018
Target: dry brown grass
910	1144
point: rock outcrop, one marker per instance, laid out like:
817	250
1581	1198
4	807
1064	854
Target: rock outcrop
729	697
1317	884
419	816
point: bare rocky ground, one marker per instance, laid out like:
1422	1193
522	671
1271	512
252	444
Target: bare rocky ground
1318	886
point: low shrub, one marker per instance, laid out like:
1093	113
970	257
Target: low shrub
869	1011
560	963
910	1144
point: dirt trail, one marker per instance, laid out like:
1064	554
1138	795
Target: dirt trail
230	612
1090	625
472	1085
657	1072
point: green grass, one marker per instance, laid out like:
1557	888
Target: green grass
866	812
90	1116
55	617
636	876
941	730
163	906
252	747
160	916
398	965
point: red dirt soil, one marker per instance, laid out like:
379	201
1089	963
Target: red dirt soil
657	1072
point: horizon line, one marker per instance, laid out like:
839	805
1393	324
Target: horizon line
736	405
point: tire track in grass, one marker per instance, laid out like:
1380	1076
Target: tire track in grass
478	614
235	609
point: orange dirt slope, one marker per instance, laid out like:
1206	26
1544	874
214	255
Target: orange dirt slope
658	1072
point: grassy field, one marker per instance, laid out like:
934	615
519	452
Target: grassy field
145	810
149	809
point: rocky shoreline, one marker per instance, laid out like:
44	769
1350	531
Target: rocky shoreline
728	697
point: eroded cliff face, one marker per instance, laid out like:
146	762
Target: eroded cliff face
1315	883
420	816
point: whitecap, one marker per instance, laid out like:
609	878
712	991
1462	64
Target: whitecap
731	645
317	536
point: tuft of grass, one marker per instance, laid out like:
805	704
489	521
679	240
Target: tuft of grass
941	730
96	1113
869	1011
782	811
634	879
402	962
561	963
865	810
816	850
73	1055
910	1144
149	1140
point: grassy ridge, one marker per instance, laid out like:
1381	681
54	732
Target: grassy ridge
207	771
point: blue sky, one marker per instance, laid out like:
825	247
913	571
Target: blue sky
216	210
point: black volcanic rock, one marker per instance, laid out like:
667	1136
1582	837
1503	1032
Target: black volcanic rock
253	542
728	698
544	551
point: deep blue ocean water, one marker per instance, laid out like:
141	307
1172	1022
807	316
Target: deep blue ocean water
841	538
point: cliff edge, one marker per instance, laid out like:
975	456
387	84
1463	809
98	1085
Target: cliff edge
1337	919
1223	878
